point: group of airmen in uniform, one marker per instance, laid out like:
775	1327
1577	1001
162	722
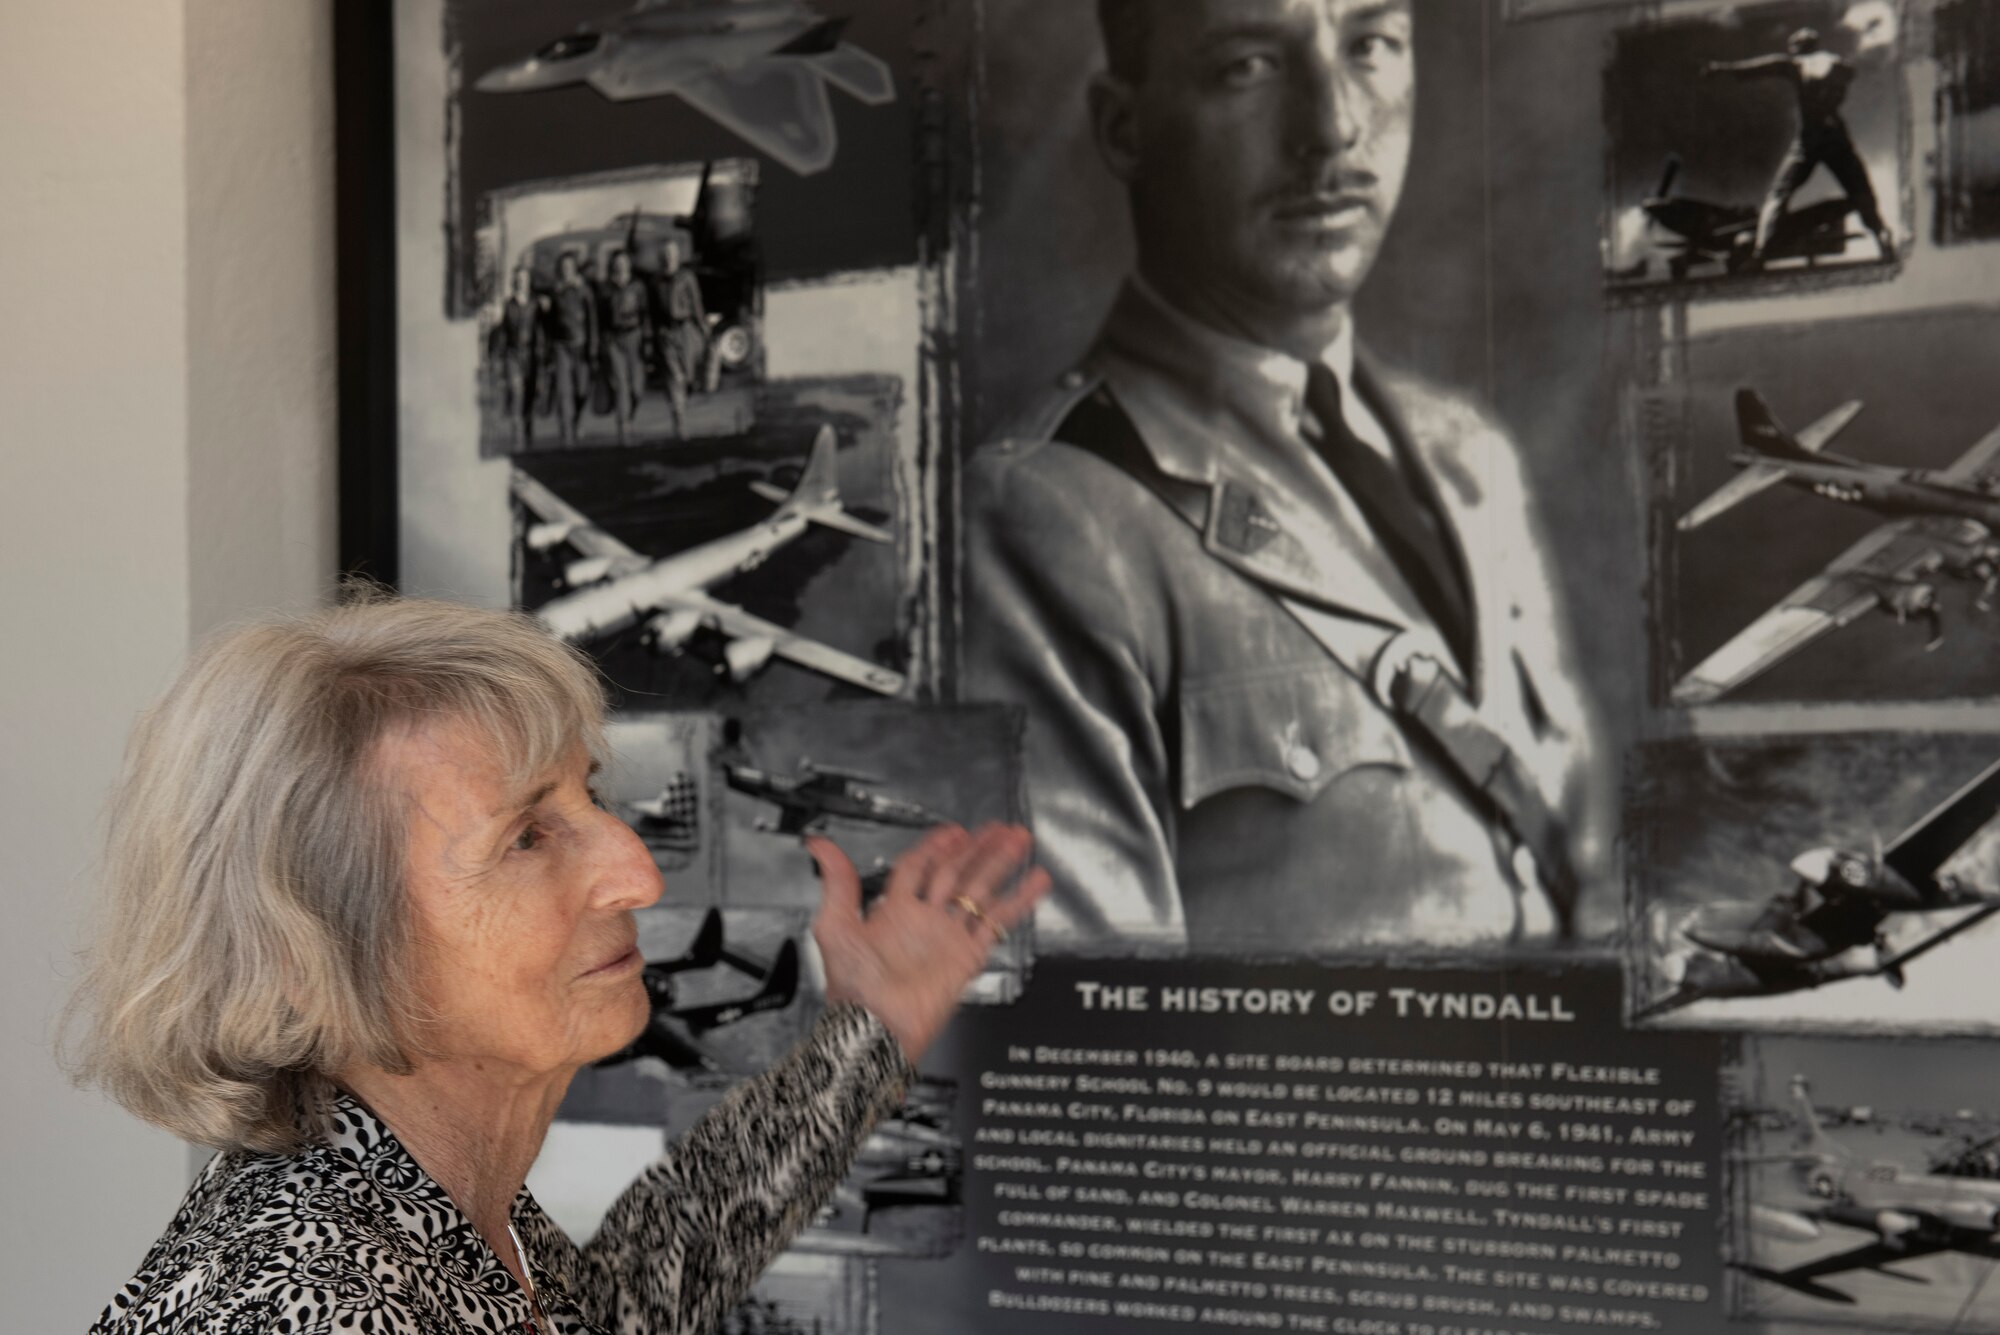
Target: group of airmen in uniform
587	340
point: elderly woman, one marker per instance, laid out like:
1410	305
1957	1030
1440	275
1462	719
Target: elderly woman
365	918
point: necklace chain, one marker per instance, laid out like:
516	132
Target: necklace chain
536	1321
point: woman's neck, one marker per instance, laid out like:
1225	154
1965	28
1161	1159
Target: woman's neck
475	1132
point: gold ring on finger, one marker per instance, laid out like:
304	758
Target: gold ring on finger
968	906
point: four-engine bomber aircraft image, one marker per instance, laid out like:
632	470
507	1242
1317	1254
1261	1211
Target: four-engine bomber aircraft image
614	587
757	67
1831	924
1941	522
1910	1214
807	800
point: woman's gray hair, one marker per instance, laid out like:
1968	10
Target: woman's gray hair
254	934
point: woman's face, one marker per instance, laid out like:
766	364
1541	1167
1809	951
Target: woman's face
523	896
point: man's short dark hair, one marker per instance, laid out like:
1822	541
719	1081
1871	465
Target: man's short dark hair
1125	25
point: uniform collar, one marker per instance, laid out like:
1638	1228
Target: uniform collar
1224	415
1262	388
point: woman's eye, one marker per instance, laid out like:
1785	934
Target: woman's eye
597	800
525	841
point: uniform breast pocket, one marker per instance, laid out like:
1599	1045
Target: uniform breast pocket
1295	729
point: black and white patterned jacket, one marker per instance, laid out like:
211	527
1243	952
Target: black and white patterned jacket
353	1235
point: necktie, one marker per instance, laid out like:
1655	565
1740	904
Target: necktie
1410	531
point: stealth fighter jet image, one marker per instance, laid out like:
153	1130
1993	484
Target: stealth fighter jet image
757	67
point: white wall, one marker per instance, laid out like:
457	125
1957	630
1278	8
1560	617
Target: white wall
260	308
165	461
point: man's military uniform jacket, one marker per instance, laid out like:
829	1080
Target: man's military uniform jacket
1203	771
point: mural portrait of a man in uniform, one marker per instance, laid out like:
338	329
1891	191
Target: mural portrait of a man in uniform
1281	619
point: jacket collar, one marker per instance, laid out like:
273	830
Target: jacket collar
1224	414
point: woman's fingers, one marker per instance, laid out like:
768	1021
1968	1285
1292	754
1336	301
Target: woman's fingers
988	864
949	898
839	883
917	867
950	869
974	887
988	924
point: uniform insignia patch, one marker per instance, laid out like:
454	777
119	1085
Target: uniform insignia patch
1242	524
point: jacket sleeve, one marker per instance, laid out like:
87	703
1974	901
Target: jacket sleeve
685	1242
1064	617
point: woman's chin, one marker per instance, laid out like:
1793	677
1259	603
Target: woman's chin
641	1015
613	1029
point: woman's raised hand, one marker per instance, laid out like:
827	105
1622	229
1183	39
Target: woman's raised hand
908	956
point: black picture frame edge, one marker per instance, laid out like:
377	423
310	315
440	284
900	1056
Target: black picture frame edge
365	284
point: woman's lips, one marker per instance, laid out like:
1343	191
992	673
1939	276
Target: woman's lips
628	958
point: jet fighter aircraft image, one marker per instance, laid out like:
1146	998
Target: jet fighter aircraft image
1939	523
1906	1213
1696	231
673	1032
1830	925
816	794
614	587
759	68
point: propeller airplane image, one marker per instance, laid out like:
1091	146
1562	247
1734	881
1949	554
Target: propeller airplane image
1938	523
674	1029
807	800
1832	924
1696	231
